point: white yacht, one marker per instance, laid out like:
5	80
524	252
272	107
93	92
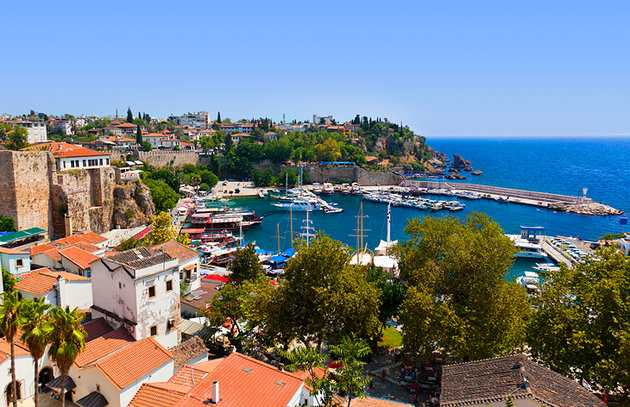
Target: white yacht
298	205
528	244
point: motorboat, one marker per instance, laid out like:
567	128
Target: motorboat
528	244
332	210
298	205
545	267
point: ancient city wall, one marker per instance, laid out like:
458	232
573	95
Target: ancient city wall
352	173
158	158
24	192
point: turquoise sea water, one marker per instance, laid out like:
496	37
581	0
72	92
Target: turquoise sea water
550	165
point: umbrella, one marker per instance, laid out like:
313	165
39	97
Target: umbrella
216	277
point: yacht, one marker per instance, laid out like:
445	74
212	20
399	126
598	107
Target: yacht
298	205
528	244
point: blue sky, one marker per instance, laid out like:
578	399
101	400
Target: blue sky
448	68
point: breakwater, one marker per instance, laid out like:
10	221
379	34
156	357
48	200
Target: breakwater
557	202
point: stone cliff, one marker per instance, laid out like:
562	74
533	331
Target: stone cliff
133	205
460	163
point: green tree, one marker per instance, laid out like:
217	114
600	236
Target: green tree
162	230
218	117
17	139
146	146
7	224
262	178
328	150
458	296
37	329
164	198
245	265
350	375
129	115
208	178
139	136
581	324
67	340
10	311
321	297
227	143
8	281
391	294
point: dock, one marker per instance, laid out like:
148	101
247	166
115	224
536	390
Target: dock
554	254
534	198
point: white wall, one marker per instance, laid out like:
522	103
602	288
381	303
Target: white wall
9	262
114	291
76	294
195	283
158	310
24	374
45	261
64	164
161	374
49	298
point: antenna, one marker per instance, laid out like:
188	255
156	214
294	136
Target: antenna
307	229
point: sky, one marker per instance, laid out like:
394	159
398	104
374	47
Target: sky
446	68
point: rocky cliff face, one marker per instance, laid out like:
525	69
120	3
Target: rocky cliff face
133	205
592	208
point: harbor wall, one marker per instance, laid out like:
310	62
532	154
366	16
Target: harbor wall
351	173
488	189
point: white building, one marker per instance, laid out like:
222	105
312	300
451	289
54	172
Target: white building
237	137
23	372
625	246
56	288
64	126
154	139
70	156
139	289
199	120
36	130
189	262
16	262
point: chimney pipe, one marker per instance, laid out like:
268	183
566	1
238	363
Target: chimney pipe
215	392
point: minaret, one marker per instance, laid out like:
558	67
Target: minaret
116	113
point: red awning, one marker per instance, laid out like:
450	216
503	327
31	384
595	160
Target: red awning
193	231
216	277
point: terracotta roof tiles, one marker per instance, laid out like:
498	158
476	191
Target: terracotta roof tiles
41	281
188	350
78	256
93	238
41	248
12	251
102	346
96	328
65	150
175	250
133	362
155	395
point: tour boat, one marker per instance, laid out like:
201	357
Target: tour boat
298	205
528	244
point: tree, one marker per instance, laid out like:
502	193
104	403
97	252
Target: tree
162	230
322	297
350	379
139	135
129	115
208	178
67	340
328	150
37	328
17	139
580	326
262	178
227	143
458	297
146	146
391	294
7	224
8	281
245	265
218	117
10	311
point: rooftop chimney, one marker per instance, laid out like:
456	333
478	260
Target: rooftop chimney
215	392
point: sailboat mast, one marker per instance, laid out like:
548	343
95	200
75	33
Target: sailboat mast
361	217
389	218
291	223
278	234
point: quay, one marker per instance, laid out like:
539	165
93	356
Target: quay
509	194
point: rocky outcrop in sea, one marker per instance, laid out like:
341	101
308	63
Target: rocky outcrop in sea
459	163
591	208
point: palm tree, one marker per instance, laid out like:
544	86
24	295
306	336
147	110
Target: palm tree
37	328
9	325
67	340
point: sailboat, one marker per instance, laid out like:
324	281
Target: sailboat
307	228
383	257
362	257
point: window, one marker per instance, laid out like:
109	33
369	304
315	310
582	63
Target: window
19	262
152	291
100	160
72	163
119	285
169	285
84	163
98	388
64	164
107	159
154	330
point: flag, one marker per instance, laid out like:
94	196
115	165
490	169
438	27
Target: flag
605	399
586	385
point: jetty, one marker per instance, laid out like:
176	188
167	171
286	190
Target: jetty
557	202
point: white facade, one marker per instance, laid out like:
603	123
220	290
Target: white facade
15	262
92	379
189	270
625	246
36	131
199	120
23	373
87	162
145	300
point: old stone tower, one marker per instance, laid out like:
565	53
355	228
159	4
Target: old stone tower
34	194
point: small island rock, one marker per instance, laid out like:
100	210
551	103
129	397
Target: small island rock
477	172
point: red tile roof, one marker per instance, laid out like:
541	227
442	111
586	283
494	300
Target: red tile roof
65	241
127	125
78	256
12	251
102	346
243	379
157	395
133	362
41	281
53	254
86	246
160	135
176	250
41	248
96	328
376	402
188	375
93	238
239	135
5	350
65	150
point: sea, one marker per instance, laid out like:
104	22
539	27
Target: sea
557	165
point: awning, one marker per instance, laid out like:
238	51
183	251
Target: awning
34	231
216	277
94	399
192	231
190	266
55	384
190	328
